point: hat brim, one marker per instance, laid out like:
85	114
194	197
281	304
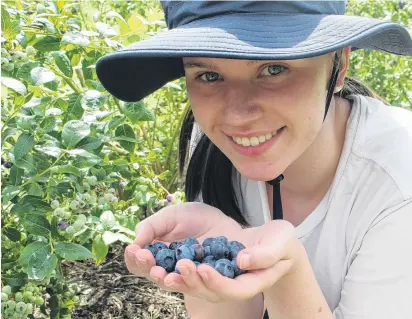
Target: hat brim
140	69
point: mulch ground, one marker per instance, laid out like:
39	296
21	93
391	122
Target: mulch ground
110	291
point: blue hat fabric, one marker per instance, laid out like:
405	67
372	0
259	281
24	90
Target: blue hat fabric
265	30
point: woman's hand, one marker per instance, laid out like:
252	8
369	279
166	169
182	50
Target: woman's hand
273	252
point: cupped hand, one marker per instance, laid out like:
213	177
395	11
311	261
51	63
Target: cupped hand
272	251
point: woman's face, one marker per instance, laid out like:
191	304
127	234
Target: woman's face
261	114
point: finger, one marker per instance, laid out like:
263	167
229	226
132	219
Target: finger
224	288
138	261
246	286
192	282
177	222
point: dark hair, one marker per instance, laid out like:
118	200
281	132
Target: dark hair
209	173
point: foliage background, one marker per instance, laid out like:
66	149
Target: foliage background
105	163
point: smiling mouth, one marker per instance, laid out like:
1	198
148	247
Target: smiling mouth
256	140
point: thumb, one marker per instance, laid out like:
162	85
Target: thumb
277	242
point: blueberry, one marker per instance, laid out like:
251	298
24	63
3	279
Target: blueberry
62	225
222	239
207	251
225	268
199	252
190	241
219	250
166	259
209	260
177	270
185	251
236	269
208	241
152	249
174	245
235	247
197	263
159	246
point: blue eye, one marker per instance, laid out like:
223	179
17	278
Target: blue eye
275	69
209	76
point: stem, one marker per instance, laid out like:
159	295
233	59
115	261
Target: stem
176	131
51	243
79	73
44	172
68	80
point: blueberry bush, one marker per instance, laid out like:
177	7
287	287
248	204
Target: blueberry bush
79	168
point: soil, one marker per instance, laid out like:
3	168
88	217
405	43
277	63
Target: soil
110	291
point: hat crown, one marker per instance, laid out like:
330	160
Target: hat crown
178	13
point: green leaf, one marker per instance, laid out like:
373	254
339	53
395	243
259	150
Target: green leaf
64	169
110	238
47	43
75	110
48	124
35	190
41	266
105	30
108	220
90	143
72	251
75	37
73	132
30	204
63	63
36	224
8	193
94	99
91	158
49	150
126	131
12	233
137	111
16	175
36	248
99	249
23	145
15	85
24	70
40	75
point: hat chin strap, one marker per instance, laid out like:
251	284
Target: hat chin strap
277	201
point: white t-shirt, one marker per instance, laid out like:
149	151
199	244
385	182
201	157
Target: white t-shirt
359	238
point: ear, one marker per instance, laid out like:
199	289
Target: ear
343	68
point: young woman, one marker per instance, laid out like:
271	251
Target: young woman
306	167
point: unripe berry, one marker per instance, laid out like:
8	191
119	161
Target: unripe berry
91	180
102	201
70	230
29	309
59	212
82	218
55	204
78	224
86	186
39	300
20	307
66	215
4	62
109	197
74	204
27	295
18	296
9	67
86	197
4	297
170	197
112	191
6	289
30	50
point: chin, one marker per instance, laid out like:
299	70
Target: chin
258	172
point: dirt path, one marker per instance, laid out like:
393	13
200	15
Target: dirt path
110	291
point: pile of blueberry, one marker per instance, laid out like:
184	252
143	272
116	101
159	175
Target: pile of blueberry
217	252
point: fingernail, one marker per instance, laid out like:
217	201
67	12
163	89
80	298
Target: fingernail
154	278
245	261
172	284
141	261
184	271
204	275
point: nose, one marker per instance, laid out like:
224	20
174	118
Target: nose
241	104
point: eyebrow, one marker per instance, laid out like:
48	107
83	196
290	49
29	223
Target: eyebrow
211	66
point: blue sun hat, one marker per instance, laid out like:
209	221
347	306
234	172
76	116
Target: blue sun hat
267	30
